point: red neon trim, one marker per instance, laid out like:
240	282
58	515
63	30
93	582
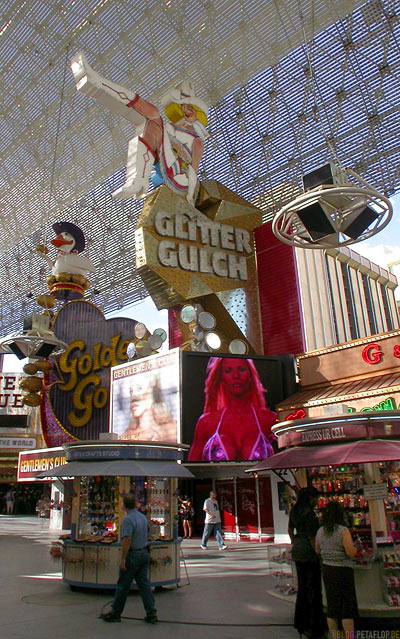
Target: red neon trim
168	170
67	285
300	413
372	354
146	144
133	102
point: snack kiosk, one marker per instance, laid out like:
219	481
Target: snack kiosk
353	459
102	473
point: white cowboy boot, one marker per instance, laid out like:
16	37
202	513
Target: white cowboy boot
105	92
139	163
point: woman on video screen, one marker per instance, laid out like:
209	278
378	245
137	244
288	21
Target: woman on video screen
150	418
235	424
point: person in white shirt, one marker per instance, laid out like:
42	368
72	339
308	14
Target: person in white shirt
335	545
212	524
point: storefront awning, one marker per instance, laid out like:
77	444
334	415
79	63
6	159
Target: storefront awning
373	450
344	391
119	468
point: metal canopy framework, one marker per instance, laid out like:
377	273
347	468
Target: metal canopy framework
291	86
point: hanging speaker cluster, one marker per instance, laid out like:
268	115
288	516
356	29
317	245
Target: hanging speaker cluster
36	342
337	208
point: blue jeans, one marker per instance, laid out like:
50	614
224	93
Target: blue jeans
210	529
137	565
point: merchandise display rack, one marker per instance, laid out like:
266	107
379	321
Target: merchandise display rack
389	559
282	568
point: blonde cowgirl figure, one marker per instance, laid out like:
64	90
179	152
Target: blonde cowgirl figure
173	146
235	424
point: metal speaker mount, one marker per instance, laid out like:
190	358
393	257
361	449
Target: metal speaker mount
332	215
32	343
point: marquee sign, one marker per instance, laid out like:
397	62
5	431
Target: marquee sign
10	395
76	402
183	252
31	464
374	355
17	442
337	429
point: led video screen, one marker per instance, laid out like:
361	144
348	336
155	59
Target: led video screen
228	402
144	402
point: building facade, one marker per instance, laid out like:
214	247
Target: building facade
324	297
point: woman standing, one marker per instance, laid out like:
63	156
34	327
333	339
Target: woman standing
336	547
187	517
303	525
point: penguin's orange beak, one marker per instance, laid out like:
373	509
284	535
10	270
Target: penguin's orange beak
59	241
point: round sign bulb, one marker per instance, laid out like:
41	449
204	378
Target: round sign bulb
140	330
143	348
188	314
131	350
155	341
238	347
213	341
206	320
161	333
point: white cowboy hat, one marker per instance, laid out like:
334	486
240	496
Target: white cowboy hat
183	94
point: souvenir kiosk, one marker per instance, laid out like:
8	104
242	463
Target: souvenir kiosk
102	473
353	459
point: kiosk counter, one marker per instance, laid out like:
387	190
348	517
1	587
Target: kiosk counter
102	473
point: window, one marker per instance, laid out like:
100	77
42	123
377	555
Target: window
349	301
368	300
386	308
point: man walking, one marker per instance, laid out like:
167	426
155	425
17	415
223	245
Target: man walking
212	524
135	559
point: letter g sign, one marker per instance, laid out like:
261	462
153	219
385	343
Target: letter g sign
372	354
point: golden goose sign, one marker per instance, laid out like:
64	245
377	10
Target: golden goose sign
182	253
75	404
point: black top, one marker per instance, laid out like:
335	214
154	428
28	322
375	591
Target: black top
305	525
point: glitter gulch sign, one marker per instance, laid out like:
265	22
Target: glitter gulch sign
76	401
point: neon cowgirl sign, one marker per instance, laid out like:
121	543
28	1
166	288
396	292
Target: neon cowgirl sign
373	353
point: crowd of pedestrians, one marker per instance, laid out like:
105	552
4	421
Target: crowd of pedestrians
20	499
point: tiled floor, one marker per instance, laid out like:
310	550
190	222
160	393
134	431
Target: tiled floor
226	598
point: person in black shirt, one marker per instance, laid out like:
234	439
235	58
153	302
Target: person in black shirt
303	525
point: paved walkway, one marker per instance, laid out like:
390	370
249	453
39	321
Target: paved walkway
226	598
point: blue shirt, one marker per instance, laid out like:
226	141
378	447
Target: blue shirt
136	527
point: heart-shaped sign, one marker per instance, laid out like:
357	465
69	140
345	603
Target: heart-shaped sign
76	402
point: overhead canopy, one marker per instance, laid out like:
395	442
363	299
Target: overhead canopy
282	78
372	450
119	468
344	391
